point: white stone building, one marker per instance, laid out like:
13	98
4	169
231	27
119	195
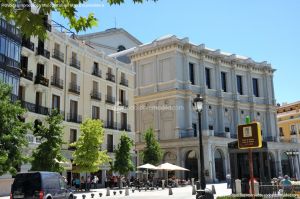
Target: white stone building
170	72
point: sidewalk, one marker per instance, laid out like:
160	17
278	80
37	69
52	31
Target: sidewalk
178	193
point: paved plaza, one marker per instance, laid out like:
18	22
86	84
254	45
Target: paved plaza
178	193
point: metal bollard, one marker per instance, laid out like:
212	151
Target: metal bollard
170	191
107	191
126	191
83	196
193	190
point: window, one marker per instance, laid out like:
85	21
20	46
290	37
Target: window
239	84
95	86
122	97
207	78
56	47
110	143
293	129
195	129
121	48
109	91
223	81
56	71
73	78
24	63
38	98
255	87
210	127
40	69
110	118
73	135
281	131
123	121
73	108
227	129
191	71
95	112
55	102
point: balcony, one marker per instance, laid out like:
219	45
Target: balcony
43	52
35	108
270	139
220	134
110	99
27	74
28	44
9	62
125	127
39	79
75	63
58	55
10	31
110	77
124	103
97	73
293	132
74	88
110	148
96	95
186	134
124	82
71	117
55	81
111	125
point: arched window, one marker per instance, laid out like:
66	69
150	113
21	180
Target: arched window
121	48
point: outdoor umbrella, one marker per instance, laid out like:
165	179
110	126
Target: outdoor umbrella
147	166
170	167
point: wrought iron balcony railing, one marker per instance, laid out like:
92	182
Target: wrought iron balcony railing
27	74
97	73
110	99
43	52
110	77
74	88
124	82
96	95
28	44
72	117
39	79
75	63
55	81
58	55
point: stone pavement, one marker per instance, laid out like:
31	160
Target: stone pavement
178	193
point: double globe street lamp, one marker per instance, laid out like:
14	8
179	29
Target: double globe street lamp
201	193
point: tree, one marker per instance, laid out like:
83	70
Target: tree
47	155
33	23
152	152
12	132
88	157
123	161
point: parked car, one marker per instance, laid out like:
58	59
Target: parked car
40	185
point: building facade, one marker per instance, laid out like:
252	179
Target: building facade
170	72
65	73
10	50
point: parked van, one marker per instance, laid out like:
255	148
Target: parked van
40	185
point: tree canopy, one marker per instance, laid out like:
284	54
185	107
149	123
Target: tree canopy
48	154
123	162
12	132
152	153
31	23
88	156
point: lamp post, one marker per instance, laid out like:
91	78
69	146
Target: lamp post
198	106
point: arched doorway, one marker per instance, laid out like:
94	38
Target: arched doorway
219	165
272	166
285	165
191	163
170	158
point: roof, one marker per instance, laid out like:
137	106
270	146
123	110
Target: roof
110	31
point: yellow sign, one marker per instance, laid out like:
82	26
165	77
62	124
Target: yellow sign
249	136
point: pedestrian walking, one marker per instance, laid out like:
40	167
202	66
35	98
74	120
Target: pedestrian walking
228	180
95	181
77	184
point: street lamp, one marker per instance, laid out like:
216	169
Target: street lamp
198	106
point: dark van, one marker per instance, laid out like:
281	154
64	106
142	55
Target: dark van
40	185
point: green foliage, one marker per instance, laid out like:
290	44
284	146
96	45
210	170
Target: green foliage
123	163
48	154
32	23
12	132
88	156
152	152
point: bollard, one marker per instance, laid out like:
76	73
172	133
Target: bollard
100	194
126	191
163	184
213	189
75	197
92	195
193	181
83	196
170	191
114	192
193	190
107	191
120	191
238	186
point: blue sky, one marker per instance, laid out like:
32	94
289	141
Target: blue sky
265	30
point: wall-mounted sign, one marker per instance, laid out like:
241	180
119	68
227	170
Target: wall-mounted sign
249	136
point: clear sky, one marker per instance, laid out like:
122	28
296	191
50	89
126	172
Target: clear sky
265	30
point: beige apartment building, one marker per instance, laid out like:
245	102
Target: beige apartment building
66	74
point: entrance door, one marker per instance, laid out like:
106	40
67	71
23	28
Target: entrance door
219	165
191	163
